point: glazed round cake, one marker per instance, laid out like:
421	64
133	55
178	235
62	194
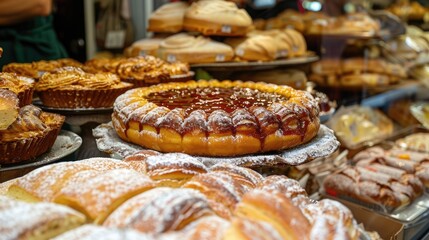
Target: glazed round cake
216	118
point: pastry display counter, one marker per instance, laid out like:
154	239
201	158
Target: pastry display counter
228	125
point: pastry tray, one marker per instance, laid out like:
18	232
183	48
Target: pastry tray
257	65
66	143
414	219
324	144
72	111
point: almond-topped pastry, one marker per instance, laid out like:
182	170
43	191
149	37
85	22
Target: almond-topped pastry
221	18
71	87
21	86
213	118
30	135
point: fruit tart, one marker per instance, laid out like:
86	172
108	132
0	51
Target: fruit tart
216	118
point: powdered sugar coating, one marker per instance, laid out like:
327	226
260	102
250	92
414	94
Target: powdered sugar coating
158	211
211	227
330	219
96	192
123	215
93	232
228	190
45	182
255	230
174	162
282	184
19	218
248	174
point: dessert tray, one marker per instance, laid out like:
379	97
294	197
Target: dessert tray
66	143
72	111
225	66
324	144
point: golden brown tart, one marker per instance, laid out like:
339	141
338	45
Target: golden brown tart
31	135
36	69
97	65
148	70
71	87
214	118
141	70
21	86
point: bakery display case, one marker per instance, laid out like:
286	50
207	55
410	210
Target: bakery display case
224	120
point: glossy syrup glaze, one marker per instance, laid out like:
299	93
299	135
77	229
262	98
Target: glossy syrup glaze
214	98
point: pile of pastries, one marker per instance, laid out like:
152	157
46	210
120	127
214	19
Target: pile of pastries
356	72
390	179
319	23
214	18
172	196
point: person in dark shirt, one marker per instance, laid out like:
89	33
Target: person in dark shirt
27	33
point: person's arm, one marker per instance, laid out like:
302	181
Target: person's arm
15	11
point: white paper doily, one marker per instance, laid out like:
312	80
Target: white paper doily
324	144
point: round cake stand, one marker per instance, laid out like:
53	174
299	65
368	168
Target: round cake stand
323	145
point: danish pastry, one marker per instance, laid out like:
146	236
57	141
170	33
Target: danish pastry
215	118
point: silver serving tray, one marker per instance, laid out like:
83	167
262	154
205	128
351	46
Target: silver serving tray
66	143
322	145
72	111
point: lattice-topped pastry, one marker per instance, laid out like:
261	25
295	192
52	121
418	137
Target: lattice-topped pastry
215	118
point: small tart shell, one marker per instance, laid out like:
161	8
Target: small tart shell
29	148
